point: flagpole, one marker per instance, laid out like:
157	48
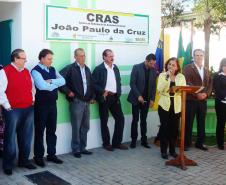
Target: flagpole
181	25
163	41
192	27
163	47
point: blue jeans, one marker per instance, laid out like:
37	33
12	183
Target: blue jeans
20	122
80	115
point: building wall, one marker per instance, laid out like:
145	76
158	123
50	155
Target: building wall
12	10
125	56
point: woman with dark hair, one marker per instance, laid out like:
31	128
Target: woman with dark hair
219	84
169	106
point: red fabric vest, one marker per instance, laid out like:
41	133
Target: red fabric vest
19	88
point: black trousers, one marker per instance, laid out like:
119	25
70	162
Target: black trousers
221	119
198	109
45	117
142	111
113	104
168	132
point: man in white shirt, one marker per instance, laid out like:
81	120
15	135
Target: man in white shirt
107	85
196	74
17	96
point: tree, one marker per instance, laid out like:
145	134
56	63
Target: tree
211	15
171	12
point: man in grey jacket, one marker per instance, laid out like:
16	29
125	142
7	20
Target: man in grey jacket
141	96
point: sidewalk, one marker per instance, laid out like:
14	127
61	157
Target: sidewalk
139	166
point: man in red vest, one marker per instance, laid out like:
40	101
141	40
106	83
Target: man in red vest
17	97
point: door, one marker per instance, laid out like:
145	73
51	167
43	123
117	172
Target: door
5	42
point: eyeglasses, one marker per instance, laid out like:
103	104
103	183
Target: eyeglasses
199	55
22	58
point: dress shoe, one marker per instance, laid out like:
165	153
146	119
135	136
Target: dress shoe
164	155
121	147
133	144
108	148
54	159
77	155
145	145
39	161
28	166
174	154
156	140
86	152
8	172
201	147
221	147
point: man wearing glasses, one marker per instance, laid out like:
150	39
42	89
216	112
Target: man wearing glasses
17	96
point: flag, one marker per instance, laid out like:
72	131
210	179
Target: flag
157	97
187	59
159	67
180	52
159	54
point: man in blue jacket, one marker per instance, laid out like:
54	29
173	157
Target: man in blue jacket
141	96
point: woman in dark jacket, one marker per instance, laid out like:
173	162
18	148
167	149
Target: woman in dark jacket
219	84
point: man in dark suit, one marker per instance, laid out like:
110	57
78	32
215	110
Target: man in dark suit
196	74
79	92
141	96
107	85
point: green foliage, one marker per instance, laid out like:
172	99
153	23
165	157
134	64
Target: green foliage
171	11
214	10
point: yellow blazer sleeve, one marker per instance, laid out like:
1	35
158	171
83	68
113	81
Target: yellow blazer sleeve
163	84
182	80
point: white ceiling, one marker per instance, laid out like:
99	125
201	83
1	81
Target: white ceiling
10	0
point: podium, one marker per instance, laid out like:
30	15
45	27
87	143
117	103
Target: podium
181	160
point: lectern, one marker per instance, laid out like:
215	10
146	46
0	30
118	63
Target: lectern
181	160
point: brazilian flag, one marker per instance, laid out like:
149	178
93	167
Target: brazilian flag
180	52
184	57
187	58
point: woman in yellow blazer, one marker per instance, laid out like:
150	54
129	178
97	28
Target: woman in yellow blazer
169	106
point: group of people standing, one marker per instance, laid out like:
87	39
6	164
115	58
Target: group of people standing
30	98
194	74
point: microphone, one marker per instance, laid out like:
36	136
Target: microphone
167	75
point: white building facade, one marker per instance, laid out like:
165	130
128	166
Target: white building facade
28	33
